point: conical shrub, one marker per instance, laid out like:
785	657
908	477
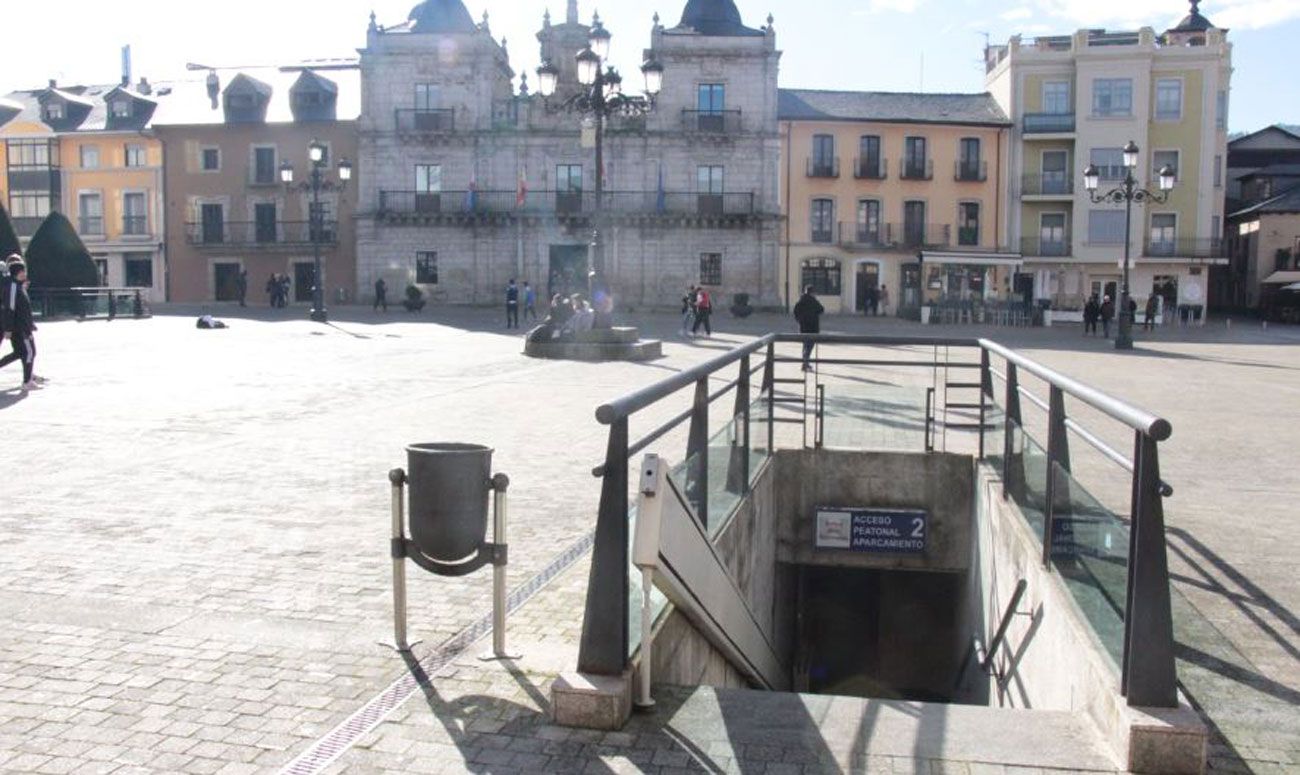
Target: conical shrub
57	258
8	237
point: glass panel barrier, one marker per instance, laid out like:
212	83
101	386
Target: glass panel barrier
880	417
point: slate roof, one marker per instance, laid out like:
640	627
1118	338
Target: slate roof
715	18
187	102
441	16
88	107
896	107
1284	203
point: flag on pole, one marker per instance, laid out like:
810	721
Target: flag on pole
521	196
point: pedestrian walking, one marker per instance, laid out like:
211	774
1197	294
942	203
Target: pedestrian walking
273	290
873	303
512	305
703	313
688	312
1107	315
285	285
241	287
808	312
1091	314
381	295
6	304
530	303
1153	306
884	300
22	327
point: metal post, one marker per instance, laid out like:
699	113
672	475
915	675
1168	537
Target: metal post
742	416
697	453
314	223
986	392
398	479
500	484
1149	626
1057	454
645	700
769	385
604	645
1012	423
1132	555
1124	337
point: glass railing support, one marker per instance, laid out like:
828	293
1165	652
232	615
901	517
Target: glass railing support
697	454
1149	676
603	649
1058	454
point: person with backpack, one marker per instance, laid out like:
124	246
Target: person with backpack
22	327
688	311
808	312
703	313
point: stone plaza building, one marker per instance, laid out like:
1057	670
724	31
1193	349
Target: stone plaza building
472	180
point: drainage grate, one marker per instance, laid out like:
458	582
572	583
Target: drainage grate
326	750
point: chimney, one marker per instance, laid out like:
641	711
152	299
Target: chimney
126	82
126	65
54	84
145	87
214	88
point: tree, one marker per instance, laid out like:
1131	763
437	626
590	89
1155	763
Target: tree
8	237
57	258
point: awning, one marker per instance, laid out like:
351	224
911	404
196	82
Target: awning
1283	278
1292	287
970	258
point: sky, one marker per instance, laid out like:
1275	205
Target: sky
883	45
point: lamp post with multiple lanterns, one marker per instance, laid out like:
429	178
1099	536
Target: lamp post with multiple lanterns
316	182
1127	193
602	99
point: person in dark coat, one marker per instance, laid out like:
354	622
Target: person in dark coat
273	290
22	327
1107	315
381	295
808	312
1153	304
1091	314
241	287
512	305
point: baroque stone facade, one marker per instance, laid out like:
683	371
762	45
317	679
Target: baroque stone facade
472	181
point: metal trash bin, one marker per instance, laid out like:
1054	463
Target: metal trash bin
450	486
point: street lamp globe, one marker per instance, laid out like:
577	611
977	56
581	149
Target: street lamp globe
1167	178
286	173
599	40
1091	177
316	152
548	78
345	170
588	67
654	77
1131	155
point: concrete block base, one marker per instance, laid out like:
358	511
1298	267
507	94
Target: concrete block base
592	701
1165	740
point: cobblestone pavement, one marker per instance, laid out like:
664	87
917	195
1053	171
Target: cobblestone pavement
193	571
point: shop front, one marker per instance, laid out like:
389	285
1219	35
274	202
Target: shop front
955	287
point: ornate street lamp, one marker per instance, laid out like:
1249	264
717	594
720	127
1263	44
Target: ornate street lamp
602	99
1128	193
316	182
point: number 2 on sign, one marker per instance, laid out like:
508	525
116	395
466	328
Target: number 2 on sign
918	527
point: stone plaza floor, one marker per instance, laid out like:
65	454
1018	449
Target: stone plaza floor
193	546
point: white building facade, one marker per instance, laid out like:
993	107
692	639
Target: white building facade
473	181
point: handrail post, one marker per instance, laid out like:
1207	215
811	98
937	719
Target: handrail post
738	465
604	645
769	385
986	393
1013	421
697	453
1057	454
1150	673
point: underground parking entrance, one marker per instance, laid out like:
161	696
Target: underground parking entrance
889	541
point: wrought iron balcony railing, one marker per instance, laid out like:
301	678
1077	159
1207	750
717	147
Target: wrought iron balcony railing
260	235
824	168
711	121
1050	247
971	171
916	169
895	236
1047	184
1186	248
1048	123
567	203
870	169
426	120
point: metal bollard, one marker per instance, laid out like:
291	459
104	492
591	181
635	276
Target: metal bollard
398	479
500	517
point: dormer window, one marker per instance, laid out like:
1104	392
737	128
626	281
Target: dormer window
240	101
308	99
120	108
54	111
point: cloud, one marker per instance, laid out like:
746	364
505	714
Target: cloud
890	6
1232	14
1016	14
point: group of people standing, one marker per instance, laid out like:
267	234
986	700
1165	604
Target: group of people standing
697	312
876	302
277	290
17	322
527	297
1102	310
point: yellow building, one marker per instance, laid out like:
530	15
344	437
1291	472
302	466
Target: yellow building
1078	100
900	192
90	153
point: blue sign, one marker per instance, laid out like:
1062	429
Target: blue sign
874	531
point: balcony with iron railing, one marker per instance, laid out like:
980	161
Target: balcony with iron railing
971	171
1047	184
1048	123
566	203
426	120
90	226
823	167
916	169
1185	247
135	225
1046	247
263	235
894	236
870	168
711	121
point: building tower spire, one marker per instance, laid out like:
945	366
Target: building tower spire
572	16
